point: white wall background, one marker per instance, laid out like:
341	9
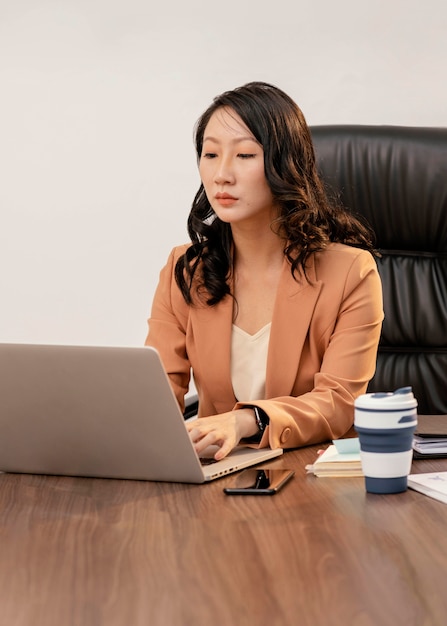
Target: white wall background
98	99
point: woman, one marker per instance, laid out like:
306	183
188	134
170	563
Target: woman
276	305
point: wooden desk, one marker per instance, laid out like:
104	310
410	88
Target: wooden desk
91	552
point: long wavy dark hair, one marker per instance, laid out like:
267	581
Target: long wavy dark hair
307	220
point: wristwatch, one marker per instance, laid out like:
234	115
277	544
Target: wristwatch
261	417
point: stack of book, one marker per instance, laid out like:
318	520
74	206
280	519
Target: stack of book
430	438
342	458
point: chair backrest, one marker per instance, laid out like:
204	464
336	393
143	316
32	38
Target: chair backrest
396	177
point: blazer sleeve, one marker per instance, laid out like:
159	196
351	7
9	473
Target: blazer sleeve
167	328
349	349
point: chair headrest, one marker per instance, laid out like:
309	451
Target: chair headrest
395	176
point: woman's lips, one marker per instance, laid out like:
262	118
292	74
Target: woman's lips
225	199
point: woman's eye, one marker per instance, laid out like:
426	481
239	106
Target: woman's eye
246	156
209	155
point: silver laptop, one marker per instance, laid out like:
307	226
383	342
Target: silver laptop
99	411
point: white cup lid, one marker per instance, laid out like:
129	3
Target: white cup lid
400	399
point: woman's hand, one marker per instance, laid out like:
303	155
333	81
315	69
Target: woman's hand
224	430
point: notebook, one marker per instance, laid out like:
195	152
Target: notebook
433	484
99	411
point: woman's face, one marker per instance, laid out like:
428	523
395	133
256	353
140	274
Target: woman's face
231	167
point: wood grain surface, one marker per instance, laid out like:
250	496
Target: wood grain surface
93	552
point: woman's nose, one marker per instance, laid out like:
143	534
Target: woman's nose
224	173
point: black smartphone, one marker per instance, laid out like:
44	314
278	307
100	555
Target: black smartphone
259	482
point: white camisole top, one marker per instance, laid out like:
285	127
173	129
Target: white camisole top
249	363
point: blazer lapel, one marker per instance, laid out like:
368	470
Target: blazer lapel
293	310
212	327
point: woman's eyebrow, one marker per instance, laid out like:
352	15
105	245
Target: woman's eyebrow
235	140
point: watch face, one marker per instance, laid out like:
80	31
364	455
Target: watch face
261	418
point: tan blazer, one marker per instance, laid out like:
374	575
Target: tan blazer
322	350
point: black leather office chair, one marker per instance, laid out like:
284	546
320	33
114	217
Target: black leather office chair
396	177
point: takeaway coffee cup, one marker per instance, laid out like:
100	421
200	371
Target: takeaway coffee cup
385	423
